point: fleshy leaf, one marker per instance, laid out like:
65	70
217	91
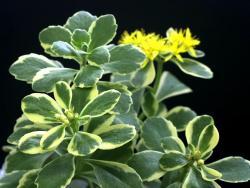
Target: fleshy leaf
11	180
149	104
98	123
99	56
124	59
173	160
30	143
81	96
233	169
83	144
125	101
65	50
174	176
80	38
170	86
88	76
17	134
156	128
102	104
194	179
41	108
26	67
57	173
102	31
195	68
52	34
180	116
146	164
210	174
20	161
172	143
45	79
28	179
208	139
115	136
80	20
144	76
51	139
63	94
128	118
195	127
110	173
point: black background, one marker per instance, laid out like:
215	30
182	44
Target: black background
222	26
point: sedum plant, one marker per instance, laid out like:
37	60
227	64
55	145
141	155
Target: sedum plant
80	130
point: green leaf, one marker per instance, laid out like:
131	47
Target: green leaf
53	138
144	76
21	161
180	116
194	179
52	34
102	31
99	123
11	180
174	176
57	173
210	174
41	108
195	127
80	20
195	68
113	174
124	59
81	96
208	140
28	179
102	104
170	86
121	154
154	129
17	134
88	76
125	101
99	56
115	136
172	143
137	98
80	38
65	50
233	169
26	67
146	164
173	160
30	143
45	79
128	118
149	104
22	122
63	94
162	110
83	144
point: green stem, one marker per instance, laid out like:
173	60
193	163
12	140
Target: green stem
158	75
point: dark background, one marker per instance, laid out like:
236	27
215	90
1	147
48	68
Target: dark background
222	26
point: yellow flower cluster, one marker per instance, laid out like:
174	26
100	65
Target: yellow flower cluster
151	44
173	45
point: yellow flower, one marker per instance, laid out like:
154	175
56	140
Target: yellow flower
173	45
180	42
151	44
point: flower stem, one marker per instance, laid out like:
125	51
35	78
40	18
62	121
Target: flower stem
158	74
